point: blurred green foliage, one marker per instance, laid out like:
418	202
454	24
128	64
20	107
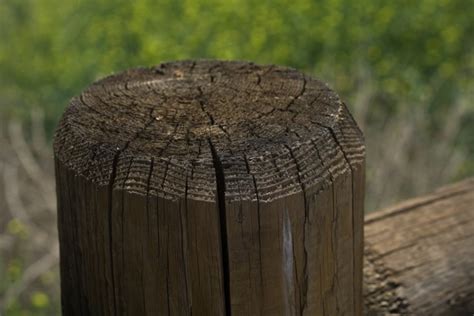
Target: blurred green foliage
414	53
51	49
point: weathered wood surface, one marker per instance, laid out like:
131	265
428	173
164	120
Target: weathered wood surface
419	255
210	188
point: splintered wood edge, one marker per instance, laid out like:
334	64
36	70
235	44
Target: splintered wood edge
168	130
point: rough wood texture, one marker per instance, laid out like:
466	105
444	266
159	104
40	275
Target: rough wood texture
419	256
210	188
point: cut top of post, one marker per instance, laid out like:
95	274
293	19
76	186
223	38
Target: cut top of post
167	130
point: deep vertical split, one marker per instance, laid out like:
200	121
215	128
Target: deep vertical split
113	175
220	182
183	222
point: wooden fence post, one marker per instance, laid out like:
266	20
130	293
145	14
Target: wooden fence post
210	188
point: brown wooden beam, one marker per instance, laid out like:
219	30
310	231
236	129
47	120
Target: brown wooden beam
210	188
419	255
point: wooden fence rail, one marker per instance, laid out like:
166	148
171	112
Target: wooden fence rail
419	255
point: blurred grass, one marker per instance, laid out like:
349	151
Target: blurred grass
416	53
404	67
411	48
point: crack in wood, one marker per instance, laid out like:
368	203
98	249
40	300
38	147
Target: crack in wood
221	188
